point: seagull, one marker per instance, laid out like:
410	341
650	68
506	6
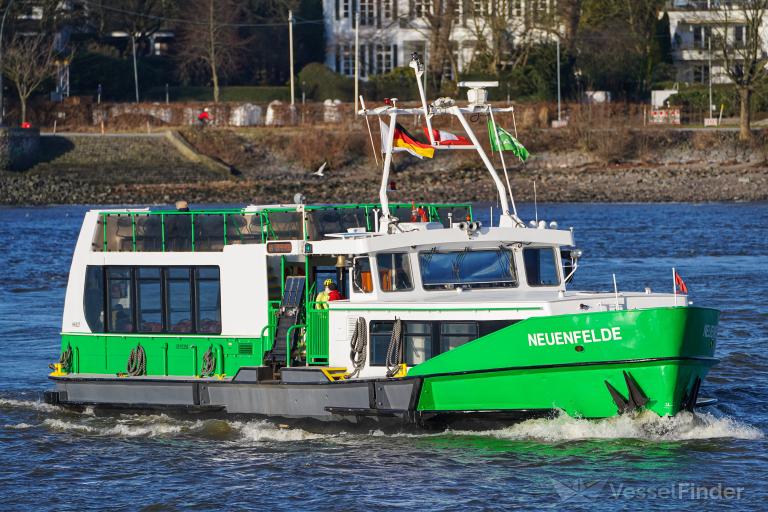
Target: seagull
319	172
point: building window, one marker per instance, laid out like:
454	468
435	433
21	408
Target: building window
383	58
346	6
367	12
346	59
701	36
422	8
386	9
700	73
541	267
739	36
516	8
394	272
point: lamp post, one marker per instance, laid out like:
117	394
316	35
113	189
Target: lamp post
290	52
2	98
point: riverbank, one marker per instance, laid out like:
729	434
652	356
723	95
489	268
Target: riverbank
268	165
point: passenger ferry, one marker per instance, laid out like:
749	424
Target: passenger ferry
442	319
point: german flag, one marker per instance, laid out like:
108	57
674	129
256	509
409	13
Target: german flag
402	141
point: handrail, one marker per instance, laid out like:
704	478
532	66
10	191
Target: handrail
288	342
146	235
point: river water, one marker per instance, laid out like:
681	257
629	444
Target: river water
51	459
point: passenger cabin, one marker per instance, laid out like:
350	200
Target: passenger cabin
243	283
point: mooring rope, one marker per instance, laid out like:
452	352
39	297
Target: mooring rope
358	345
209	363
137	362
65	359
395	348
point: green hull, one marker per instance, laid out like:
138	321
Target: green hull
564	362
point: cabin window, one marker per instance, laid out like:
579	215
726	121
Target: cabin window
179	299
119	299
93	298
488	268
362	280
541	266
381	332
394	272
455	334
149	299
418	342
208	300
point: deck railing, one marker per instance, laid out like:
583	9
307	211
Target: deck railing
212	230
317	336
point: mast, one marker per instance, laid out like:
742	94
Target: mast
442	107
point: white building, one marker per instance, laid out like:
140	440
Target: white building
390	30
692	24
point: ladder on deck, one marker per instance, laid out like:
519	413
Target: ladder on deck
291	309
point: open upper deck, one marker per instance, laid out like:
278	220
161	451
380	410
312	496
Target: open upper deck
147	230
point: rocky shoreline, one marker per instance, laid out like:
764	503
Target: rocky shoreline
268	167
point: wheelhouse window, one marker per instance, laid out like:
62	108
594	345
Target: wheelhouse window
362	279
394	272
149	299
483	268
119	299
541	266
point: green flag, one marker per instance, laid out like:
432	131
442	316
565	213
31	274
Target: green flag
508	142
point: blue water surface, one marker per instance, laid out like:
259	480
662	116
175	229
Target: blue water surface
51	459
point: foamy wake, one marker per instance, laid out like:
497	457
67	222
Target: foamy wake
10	403
148	426
164	426
261	431
646	426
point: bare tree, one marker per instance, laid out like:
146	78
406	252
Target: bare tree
506	32
28	61
441	20
212	45
738	38
139	18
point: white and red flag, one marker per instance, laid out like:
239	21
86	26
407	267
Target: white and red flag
680	284
444	138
